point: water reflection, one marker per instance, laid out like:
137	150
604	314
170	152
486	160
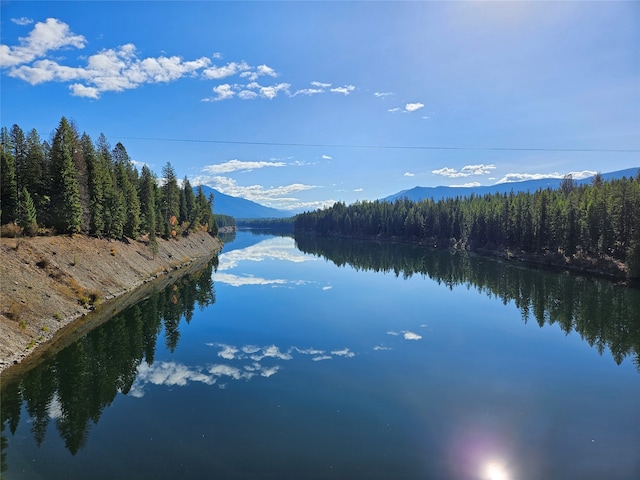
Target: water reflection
273	248
605	315
75	386
249	361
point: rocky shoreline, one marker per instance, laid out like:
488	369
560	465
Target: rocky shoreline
51	288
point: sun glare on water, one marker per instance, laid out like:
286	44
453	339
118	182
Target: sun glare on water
495	471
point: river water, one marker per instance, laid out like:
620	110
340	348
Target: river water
343	360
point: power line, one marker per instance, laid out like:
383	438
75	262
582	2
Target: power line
391	147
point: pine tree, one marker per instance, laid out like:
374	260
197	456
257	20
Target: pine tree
96	172
170	198
34	169
147	190
190	201
27	218
131	202
65	189
19	150
8	185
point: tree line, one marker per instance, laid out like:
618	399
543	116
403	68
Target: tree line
599	221
73	185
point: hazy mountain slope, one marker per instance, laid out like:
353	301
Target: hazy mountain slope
241	207
437	193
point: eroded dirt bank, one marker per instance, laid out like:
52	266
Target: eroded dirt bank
47	283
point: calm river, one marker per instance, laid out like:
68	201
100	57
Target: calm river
342	360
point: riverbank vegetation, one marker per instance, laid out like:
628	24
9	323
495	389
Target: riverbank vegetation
72	185
592	227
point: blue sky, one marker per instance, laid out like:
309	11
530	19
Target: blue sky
296	105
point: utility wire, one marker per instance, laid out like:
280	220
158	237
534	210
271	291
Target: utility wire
390	147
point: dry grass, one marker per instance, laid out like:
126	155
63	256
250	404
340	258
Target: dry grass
10	230
15	310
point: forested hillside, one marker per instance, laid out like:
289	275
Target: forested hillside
73	185
573	223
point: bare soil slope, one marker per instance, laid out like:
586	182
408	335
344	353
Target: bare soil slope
48	282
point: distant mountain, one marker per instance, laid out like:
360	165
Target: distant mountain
437	193
241	207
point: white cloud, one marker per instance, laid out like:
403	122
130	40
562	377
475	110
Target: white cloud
259	71
240	281
223	92
52	34
409	174
466	171
247	95
521	177
266	70
276	197
345	352
216	73
358	189
271	351
108	70
272	91
391	332
308	91
466	185
268	371
327	157
394	110
320	84
383	94
321	357
246	92
312	205
248	349
381	347
412	336
22	21
328	287
80	90
307	351
412	107
235	165
447	172
228	352
345	90
480	169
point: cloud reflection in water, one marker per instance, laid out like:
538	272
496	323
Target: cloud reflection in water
176	374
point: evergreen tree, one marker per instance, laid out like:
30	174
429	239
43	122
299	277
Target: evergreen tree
34	169
97	172
19	150
170	198
65	189
27	213
190	201
147	191
8	185
131	202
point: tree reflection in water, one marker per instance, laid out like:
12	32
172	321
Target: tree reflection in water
604	314
77	384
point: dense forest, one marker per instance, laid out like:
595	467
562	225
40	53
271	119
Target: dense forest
271	224
600	221
71	185
224	220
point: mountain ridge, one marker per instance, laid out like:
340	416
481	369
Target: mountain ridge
237	207
438	193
